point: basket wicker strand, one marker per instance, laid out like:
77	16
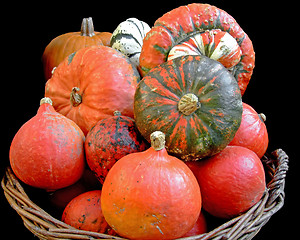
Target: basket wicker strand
245	226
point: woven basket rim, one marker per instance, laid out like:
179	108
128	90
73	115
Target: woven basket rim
245	226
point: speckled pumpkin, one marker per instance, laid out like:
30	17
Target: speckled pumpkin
84	212
111	139
195	101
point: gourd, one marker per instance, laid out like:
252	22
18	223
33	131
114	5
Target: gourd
184	22
252	132
231	182
151	195
195	101
91	84
84	213
128	38
109	140
62	46
215	44
47	152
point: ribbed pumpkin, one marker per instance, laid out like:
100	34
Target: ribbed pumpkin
91	84
195	101
62	46
128	38
47	152
109	140
185	21
151	195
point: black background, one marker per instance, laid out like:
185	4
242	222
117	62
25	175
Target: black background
28	28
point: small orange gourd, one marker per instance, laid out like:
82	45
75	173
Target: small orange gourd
151	195
62	46
84	212
47	151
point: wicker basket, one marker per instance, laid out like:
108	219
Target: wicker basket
245	226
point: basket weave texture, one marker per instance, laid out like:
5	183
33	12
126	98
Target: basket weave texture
245	226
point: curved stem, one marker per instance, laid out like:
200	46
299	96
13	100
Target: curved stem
75	97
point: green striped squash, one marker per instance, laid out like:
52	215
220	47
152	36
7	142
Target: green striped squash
195	101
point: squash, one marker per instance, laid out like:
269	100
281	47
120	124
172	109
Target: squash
62	46
47	152
151	195
91	84
252	132
128	38
181	23
195	101
109	140
231	182
84	213
215	44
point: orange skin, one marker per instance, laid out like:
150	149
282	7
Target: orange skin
199	228
47	152
105	81
151	195
252	132
64	45
231	182
84	212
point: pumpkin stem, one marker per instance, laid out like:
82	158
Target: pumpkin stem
157	140
188	104
75	97
87	27
46	100
262	117
117	113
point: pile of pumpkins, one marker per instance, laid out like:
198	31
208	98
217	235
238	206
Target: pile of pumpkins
157	115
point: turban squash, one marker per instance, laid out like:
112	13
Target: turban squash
182	23
195	101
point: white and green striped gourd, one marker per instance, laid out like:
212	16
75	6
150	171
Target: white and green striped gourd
128	38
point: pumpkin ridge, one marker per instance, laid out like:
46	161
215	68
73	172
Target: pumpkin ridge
138	28
159	84
65	47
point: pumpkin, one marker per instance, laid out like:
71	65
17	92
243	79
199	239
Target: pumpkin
151	195
128	38
252	132
195	101
62	46
109	140
91	84
84	213
231	182
183	22
47	152
199	228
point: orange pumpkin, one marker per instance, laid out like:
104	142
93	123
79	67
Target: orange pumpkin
151	195
84	212
47	152
62	46
91	84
